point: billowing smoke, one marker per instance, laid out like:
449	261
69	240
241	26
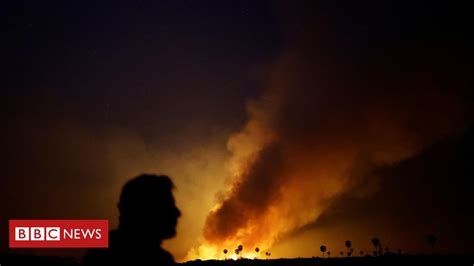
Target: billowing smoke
327	118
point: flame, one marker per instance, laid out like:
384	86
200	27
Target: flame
215	250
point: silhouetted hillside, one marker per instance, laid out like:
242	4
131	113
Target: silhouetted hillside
389	259
35	260
368	260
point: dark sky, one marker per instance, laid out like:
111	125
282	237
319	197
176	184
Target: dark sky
110	63
97	92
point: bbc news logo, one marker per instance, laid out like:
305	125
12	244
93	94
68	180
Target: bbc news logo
59	233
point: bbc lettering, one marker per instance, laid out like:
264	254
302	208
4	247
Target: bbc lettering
54	234
37	233
58	233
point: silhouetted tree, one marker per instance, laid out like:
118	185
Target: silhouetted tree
341	253
225	253
257	250
348	246
240	248
387	249
268	254
380	249
323	249
431	239
376	243
329	253
361	253
399	251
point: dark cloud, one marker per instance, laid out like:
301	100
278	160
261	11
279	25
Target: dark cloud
429	193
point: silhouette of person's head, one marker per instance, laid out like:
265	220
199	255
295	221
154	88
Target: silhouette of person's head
147	215
147	208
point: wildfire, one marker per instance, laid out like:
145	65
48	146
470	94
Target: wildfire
213	252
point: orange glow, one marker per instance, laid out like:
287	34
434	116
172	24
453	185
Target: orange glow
287	173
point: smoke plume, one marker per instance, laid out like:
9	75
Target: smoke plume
326	119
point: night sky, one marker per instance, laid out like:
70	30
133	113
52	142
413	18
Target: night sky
283	124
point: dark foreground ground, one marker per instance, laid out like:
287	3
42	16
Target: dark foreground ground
6	260
383	260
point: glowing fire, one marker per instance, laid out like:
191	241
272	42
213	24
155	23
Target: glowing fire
212	252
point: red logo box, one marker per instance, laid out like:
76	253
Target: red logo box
59	233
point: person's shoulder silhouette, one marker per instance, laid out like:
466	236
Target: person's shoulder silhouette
147	216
